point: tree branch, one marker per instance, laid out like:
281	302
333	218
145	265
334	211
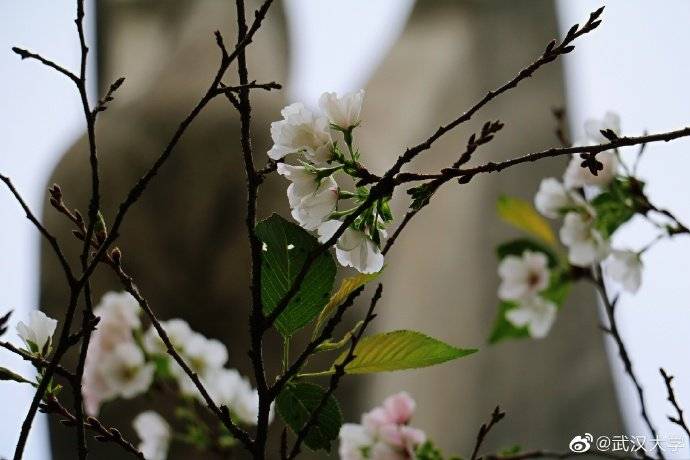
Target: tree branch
496	416
679	419
337	375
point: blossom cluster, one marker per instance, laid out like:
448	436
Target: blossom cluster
123	361
590	208
384	433
314	194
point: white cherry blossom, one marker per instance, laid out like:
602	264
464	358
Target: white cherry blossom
552	197
535	312
625	267
355	440
311	200
585	245
354	248
125	371
224	386
155	435
344	111
301	130
204	356
119	314
38	334
178	331
523	276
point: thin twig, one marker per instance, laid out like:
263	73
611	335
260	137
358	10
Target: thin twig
679	419
496	416
37	361
52	241
492	167
486	135
221	412
610	308
551	53
103	433
338	374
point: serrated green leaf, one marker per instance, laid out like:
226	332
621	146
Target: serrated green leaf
297	402
398	350
347	286
519	246
286	248
8	375
522	215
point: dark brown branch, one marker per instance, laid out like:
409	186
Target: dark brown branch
256	318
496	416
551	52
337	375
387	183
38	361
102	433
223	89
221	412
679	419
610	308
136	191
52	241
485	136
62	347
93	216
490	167
26	54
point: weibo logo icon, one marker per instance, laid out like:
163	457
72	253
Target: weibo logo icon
581	444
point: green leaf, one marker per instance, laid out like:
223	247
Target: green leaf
8	375
519	246
614	207
297	402
347	287
286	248
399	350
428	451
522	215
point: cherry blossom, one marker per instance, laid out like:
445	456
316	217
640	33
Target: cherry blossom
155	435
301	130
535	312
523	276
344	111
38	334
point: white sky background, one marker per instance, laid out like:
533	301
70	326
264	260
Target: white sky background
40	118
634	64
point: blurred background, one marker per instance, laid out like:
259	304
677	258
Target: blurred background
421	64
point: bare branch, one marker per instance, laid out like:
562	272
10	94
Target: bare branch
26	54
496	416
679	419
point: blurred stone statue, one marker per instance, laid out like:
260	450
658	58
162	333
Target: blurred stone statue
185	241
